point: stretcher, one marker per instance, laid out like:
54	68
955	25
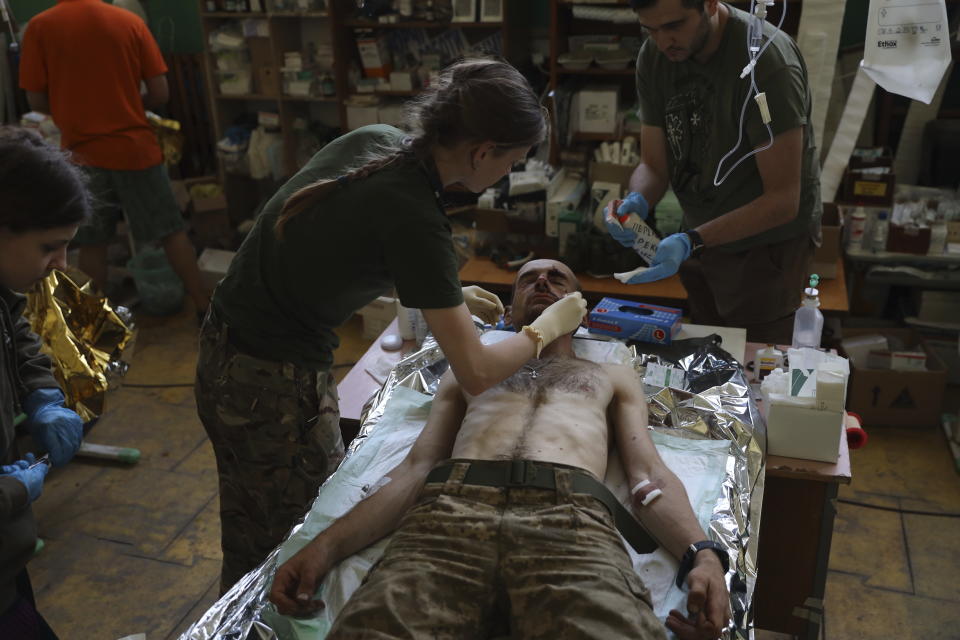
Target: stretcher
706	428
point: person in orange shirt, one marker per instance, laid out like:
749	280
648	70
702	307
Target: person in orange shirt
83	62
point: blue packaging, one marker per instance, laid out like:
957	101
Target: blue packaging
639	321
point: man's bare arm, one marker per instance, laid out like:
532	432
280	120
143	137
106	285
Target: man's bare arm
669	518
158	92
650	178
378	515
780	170
38	101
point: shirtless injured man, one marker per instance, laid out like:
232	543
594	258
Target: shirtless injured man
501	523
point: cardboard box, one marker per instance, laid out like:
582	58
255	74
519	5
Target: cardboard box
597	109
826	256
362	115
800	432
908	239
609	172
634	321
564	193
374	54
213	264
378	315
884	397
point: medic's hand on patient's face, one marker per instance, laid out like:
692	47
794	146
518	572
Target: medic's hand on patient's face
297	579
672	251
483	304
708	602
561	317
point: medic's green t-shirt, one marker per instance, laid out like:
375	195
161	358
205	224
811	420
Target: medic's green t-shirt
698	107
282	299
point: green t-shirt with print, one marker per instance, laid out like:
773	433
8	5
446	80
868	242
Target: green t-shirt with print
698	106
282	299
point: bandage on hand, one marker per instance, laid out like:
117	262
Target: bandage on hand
646	492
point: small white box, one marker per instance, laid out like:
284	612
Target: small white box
362	115
378	315
801	432
403	80
565	193
597	109
213	265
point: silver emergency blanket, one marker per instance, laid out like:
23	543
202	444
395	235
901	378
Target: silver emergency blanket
712	402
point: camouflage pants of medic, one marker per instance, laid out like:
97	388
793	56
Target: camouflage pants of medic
478	562
275	430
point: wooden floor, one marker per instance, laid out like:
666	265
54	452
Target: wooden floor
136	549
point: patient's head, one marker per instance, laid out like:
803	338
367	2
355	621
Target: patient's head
538	284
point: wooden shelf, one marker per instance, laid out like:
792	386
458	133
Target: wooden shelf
299	14
397	93
597	71
420	24
245	96
582	136
233	14
311	99
265	14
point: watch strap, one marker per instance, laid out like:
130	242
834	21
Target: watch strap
696	242
686	562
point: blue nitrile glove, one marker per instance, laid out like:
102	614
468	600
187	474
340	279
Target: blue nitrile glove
54	427
672	251
32	478
633	203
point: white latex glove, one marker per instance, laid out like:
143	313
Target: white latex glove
560	318
483	304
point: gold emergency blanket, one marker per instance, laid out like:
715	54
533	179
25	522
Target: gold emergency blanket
169	136
84	336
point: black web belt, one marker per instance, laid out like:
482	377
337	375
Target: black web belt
539	475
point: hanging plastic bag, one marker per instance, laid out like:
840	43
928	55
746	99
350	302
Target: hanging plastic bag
161	291
907	46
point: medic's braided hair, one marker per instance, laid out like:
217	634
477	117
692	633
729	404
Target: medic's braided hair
475	100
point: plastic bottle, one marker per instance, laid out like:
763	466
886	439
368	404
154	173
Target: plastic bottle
768	359
858	222
808	321
881	229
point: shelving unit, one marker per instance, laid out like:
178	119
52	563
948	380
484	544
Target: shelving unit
288	32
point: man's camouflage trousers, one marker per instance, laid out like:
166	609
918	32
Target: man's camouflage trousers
472	561
275	430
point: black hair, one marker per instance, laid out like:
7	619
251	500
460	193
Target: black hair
474	100
40	187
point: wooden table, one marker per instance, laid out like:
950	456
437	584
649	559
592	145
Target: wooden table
796	527
484	272
796	531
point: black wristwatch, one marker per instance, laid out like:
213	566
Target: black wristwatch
696	242
686	563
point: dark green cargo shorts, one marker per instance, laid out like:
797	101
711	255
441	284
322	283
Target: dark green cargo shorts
275	431
472	561
144	197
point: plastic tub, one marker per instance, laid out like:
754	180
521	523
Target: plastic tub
575	61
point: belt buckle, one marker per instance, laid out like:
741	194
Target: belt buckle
522	473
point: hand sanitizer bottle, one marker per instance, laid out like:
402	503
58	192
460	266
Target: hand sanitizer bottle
808	321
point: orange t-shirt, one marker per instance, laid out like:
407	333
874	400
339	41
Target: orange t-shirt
89	57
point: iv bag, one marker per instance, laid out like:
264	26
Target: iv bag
907	46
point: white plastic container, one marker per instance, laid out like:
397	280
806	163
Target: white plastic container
808	321
768	359
858	223
881	229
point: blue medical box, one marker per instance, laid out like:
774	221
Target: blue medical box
634	321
